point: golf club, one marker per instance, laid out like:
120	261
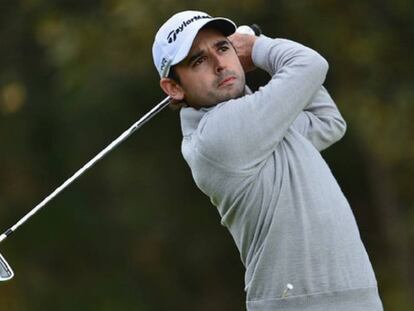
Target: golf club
6	273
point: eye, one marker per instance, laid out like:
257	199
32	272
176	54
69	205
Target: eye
199	61
223	48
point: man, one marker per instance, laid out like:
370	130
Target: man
257	157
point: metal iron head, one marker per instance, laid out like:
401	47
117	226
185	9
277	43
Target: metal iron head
6	273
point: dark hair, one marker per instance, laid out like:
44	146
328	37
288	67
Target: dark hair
173	75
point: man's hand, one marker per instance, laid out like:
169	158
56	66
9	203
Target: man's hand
244	44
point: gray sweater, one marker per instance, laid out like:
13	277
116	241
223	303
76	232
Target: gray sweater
257	158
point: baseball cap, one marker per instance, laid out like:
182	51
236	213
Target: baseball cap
174	39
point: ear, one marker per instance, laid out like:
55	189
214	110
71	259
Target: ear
172	88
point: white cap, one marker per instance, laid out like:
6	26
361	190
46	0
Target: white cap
174	39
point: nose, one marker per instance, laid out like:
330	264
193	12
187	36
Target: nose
219	63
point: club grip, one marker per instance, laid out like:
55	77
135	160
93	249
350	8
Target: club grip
256	28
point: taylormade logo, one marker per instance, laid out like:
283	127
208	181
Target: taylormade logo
172	36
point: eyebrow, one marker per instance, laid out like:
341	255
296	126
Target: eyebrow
218	44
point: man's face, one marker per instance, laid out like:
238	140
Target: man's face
211	73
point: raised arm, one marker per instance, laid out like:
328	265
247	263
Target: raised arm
321	121
241	133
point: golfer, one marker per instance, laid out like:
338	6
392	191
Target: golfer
257	157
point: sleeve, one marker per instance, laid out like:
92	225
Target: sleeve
321	122
240	133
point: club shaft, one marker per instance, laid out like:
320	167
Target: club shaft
88	165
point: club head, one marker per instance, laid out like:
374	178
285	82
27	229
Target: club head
6	273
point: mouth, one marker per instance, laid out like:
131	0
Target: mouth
227	81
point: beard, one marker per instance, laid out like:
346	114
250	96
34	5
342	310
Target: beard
217	93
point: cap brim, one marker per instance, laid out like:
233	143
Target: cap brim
226	26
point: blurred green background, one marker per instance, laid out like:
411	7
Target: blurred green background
134	233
